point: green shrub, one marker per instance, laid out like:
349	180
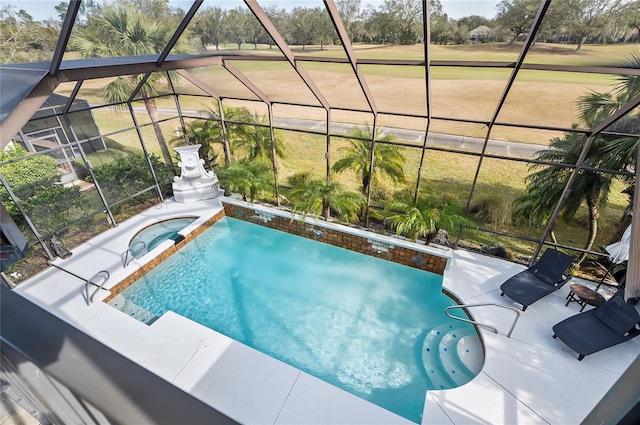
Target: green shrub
117	146
35	181
494	209
124	177
96	159
250	178
53	207
25	176
299	179
382	191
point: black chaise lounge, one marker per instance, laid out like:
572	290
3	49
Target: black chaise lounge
612	323
539	280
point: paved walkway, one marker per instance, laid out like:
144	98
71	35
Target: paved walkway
464	143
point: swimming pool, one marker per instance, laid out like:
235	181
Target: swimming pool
372	327
152	236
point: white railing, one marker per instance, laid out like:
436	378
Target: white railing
129	250
513	325
98	287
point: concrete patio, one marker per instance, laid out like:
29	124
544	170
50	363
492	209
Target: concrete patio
528	378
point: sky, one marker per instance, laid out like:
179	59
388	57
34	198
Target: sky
43	9
457	9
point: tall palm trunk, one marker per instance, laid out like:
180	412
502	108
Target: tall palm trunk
625	220
326	209
592	207
429	237
366	181
152	109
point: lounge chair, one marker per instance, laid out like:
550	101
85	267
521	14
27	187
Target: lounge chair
539	280
612	323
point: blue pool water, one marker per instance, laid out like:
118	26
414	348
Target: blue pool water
152	236
372	327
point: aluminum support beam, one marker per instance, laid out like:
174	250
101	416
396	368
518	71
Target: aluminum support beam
374	130
274	157
537	22
205	88
255	90
141	83
225	135
353	61
286	51
351	54
198	83
136	67
246	82
146	153
65	34
87	164
426	24
625	109
193	61
72	97
632	288
327	152
176	35
22	113
179	109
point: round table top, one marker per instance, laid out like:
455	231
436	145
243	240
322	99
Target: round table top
586	294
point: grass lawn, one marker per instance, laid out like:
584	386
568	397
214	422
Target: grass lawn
537	98
468	93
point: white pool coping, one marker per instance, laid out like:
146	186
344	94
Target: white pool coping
528	378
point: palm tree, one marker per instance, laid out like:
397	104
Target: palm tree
204	133
247	177
317	196
124	32
421	218
620	153
545	186
617	152
209	131
536	206
256	140
388	159
595	107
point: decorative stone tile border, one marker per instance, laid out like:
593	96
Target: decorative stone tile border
385	250
381	249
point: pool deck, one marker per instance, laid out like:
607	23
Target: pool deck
528	378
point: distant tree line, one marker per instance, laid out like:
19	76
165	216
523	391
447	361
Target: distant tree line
24	40
393	22
573	21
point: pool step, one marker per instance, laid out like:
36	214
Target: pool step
471	353
467	361
130	309
451	355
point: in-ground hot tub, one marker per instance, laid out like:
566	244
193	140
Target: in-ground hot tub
152	236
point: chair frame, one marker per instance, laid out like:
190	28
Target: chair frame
535	281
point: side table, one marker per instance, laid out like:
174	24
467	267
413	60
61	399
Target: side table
584	296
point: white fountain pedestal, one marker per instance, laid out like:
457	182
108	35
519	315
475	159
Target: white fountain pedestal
194	183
